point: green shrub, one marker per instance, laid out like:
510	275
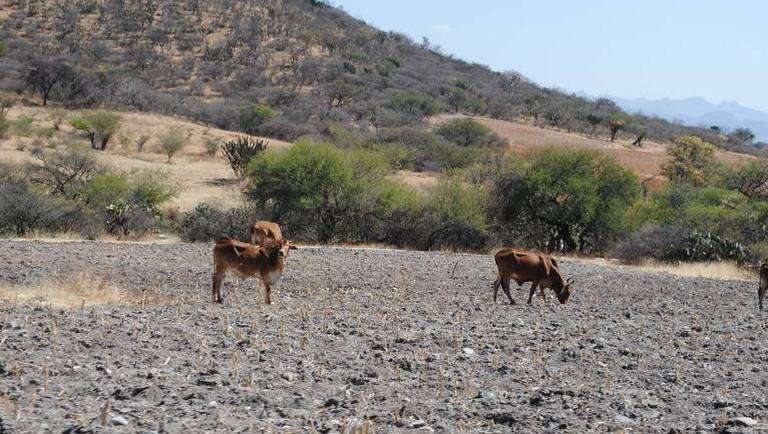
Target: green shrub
240	151
252	117
397	156
459	213
129	204
705	247
304	186
430	152
345	137
691	160
207	222
22	127
468	132
414	107
650	242
709	209
25	209
566	199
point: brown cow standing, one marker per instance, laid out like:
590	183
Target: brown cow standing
763	288
264	232
539	269
246	260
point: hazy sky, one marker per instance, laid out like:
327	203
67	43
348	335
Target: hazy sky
717	50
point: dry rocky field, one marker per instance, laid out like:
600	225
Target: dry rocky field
367	341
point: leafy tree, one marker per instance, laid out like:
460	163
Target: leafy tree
690	160
464	132
99	127
566	199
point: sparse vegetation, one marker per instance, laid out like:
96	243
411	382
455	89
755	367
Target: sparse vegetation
212	147
172	141
282	75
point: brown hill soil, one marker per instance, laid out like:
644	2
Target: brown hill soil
645	161
201	177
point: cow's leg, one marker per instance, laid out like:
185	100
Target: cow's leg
505	287
533	290
267	290
217	278
760	294
543	293
496	285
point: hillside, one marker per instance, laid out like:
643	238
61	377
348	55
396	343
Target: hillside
206	178
646	161
200	177
304	64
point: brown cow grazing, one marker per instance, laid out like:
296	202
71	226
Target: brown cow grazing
763	288
264	232
246	260
541	270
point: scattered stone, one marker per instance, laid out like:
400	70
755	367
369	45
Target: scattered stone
119	420
742	421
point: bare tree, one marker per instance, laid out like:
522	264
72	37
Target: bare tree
42	75
63	172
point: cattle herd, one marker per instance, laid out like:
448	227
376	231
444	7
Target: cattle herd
264	258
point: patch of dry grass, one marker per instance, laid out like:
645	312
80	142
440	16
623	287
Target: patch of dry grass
711	270
80	290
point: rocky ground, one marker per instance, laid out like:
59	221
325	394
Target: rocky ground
373	341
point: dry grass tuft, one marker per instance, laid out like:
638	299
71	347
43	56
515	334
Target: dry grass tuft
711	270
81	290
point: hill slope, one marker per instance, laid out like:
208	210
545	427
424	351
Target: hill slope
311	64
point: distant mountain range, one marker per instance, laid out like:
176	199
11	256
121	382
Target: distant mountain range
699	112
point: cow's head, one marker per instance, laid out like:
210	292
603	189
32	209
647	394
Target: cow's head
565	293
279	249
